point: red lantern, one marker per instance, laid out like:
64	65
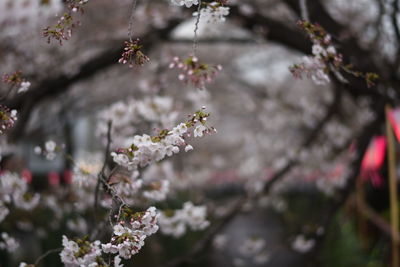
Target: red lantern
373	160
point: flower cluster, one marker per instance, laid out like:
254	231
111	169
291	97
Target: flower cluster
220	241
4	211
15	80
81	252
129	234
195	72
254	248
324	53
214	12
49	150
28	14
312	67
84	179
175	222
157	190
302	245
187	3
332	180
14	189
8	243
7	118
325	58
154	184
63	29
132	54
127	115
147	149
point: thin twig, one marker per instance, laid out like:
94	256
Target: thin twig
106	157
304	10
47	253
395	21
196	28
131	19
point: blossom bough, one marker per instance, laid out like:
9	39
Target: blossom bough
147	149
194	71
132	54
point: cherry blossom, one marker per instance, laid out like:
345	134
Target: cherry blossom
302	245
175	222
214	12
129	235
187	3
7	118
195	72
80	252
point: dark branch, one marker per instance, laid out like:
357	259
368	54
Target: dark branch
57	85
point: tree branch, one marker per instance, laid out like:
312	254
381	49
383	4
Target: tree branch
57	85
101	174
204	243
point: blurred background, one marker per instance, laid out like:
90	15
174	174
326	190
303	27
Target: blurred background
282	179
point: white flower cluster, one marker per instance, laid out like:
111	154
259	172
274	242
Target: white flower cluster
174	223
128	238
3	211
187	3
126	115
332	181
24	86
14	189
15	12
49	150
213	13
154	184
82	254
254	249
78	225
157	190
8	243
146	151
316	67
8	118
302	245
84	179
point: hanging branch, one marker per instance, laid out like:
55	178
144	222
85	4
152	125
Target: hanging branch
101	174
131	19
304	10
47	253
196	28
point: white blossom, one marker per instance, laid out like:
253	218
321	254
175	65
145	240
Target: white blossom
24	87
4	211
187	3
199	130
302	245
188	148
252	246
128	238
191	216
213	13
8	243
69	254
